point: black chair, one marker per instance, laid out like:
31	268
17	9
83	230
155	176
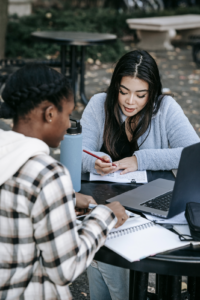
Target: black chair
194	41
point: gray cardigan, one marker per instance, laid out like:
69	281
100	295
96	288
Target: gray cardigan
170	132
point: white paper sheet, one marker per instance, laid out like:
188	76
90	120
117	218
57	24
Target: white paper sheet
178	219
137	176
184	229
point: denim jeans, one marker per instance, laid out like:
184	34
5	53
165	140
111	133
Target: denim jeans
108	282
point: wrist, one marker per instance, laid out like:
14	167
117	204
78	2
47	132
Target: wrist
135	162
138	159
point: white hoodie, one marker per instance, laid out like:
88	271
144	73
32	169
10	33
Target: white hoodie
15	150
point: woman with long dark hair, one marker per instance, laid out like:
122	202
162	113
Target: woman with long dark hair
138	128
41	248
133	123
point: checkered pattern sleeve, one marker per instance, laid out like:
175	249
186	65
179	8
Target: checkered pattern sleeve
66	251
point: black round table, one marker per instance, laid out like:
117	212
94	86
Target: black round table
74	40
169	266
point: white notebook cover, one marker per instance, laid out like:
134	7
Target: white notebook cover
143	240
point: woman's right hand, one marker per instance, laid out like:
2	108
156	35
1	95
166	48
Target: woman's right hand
119	212
104	168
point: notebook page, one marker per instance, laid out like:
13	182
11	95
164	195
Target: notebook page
143	243
137	176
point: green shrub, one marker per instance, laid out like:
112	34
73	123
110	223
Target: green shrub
21	44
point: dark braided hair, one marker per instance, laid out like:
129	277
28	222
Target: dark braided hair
29	86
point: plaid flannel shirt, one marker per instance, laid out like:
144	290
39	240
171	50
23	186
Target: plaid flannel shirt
41	249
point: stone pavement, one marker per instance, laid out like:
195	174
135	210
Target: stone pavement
179	75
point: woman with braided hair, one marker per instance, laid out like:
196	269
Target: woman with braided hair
41	248
137	128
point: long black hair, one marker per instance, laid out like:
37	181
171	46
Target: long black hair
139	64
29	86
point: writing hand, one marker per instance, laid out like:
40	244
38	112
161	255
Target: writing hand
104	168
128	164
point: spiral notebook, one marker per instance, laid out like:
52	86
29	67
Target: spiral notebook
138	238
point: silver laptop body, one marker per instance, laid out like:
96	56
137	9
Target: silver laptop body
134	198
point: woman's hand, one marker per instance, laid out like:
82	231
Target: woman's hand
83	201
104	168
119	212
128	164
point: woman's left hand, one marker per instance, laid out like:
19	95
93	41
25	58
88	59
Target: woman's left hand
83	201
128	164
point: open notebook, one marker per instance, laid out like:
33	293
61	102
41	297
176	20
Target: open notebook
137	176
138	238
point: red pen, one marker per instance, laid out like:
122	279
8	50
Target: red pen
97	157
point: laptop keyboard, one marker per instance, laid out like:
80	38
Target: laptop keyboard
161	203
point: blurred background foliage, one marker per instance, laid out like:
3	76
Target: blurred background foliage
19	43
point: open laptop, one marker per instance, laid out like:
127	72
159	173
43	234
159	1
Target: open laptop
164	198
